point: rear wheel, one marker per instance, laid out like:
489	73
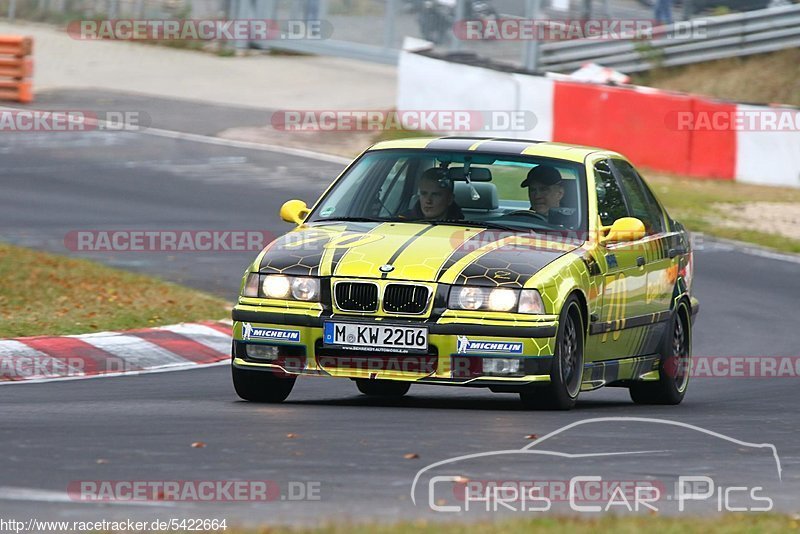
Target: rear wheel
676	358
567	371
382	388
261	386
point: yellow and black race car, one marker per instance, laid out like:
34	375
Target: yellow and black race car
535	268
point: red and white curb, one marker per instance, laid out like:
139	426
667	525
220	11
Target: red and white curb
166	348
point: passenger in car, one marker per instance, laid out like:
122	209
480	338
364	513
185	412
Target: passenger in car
436	199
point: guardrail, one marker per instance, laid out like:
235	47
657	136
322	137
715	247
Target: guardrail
16	68
740	34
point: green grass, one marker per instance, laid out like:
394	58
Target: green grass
45	294
692	201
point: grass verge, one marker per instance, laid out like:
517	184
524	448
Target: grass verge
710	206
729	524
45	294
762	78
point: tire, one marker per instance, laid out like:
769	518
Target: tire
261	386
382	388
676	356
567	371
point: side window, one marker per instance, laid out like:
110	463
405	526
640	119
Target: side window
642	203
610	202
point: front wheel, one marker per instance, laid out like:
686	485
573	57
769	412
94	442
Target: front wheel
261	386
382	388
567	371
676	358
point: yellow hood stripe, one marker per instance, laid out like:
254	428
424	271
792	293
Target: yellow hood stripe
364	259
423	262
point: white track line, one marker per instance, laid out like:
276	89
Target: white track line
198	138
211	140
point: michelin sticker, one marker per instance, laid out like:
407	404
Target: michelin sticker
273	334
465	345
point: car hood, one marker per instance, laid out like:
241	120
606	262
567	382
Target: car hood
413	251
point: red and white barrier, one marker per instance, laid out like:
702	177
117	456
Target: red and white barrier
661	130
166	348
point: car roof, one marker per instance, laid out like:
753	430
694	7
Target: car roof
494	145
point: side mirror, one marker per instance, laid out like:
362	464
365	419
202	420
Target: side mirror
625	229
294	211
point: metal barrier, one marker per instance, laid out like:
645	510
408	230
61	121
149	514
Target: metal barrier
15	68
739	34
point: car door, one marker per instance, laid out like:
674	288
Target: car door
656	253
621	279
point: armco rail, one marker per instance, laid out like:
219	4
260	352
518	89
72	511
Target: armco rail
16	68
740	34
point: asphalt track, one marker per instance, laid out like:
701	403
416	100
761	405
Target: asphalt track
350	447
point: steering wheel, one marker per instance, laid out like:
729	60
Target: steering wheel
528	213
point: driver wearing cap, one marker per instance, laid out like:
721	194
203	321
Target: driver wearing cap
545	189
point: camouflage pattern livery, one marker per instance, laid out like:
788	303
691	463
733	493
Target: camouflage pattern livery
628	291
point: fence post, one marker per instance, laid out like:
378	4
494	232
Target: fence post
531	52
389	19
461	15
12	10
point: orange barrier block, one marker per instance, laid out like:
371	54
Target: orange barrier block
16	67
18	91
15	45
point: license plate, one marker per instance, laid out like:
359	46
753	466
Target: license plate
386	337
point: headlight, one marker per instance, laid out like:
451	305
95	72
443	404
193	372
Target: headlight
278	286
501	299
305	289
470	298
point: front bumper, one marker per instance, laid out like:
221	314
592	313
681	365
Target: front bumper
299	349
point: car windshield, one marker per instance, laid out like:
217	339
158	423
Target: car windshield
477	189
